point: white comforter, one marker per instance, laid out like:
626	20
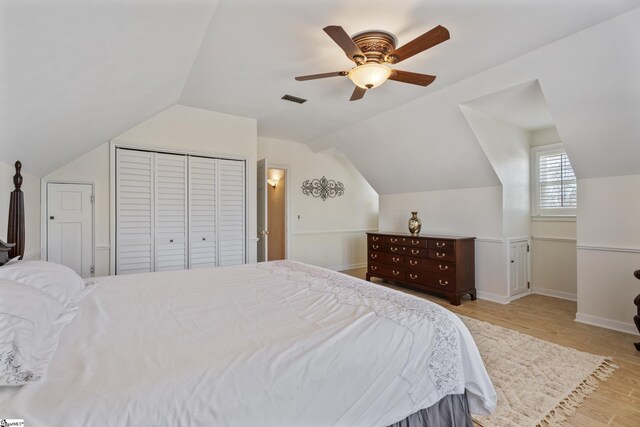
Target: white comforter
272	344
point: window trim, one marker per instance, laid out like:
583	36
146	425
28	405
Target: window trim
536	212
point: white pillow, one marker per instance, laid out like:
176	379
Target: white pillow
57	280
30	323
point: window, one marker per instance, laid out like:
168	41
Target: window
554	183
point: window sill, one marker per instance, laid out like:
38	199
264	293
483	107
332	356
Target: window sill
559	218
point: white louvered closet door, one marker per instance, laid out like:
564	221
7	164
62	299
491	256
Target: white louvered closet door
170	212
231	212
203	207
134	212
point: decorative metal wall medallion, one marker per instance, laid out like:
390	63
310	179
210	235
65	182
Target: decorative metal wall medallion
322	188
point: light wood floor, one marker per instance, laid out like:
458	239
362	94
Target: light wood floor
617	400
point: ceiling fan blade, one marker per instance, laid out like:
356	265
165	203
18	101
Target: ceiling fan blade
358	93
413	78
342	39
428	40
321	76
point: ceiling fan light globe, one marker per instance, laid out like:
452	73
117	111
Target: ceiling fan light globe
368	76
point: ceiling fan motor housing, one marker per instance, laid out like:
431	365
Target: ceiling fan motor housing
375	45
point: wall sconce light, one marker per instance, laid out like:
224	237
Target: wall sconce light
273	182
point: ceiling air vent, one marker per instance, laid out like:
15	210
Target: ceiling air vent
294	99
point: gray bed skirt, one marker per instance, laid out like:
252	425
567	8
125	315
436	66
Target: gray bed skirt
450	411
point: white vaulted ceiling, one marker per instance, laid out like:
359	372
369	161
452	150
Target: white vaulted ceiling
75	73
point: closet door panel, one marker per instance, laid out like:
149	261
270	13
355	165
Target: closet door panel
232	212
170	212
203	206
134	212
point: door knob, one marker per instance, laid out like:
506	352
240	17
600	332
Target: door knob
51	217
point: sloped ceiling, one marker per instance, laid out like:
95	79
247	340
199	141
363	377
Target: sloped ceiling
523	106
75	73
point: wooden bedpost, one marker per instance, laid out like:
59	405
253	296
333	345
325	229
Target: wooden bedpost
636	318
15	232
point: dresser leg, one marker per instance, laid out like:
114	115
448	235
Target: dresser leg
455	300
368	276
473	295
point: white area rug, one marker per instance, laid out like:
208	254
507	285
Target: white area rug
538	383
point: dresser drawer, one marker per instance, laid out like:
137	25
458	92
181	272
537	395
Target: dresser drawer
376	246
416	242
416	252
386	258
431	280
442	255
375	238
395	249
440	282
424	264
443	245
395	240
389	271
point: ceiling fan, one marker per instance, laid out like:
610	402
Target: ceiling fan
372	51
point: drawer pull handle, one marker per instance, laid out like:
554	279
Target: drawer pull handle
395	259
171	241
441	267
395	273
440	245
394	249
413	276
415	242
374	238
413	262
394	240
374	256
374	268
445	283
415	251
375	246
441	255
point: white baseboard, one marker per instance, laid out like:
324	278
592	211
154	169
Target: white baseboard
616	325
33	255
521	295
556	294
348	267
493	297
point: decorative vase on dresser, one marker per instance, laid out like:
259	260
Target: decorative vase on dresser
440	264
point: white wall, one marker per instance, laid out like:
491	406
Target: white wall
31	190
327	233
608	251
553	249
180	128
475	212
507	148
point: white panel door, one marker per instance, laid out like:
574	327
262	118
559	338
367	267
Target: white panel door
231	212
203	207
518	267
262	209
134	212
170	212
70	226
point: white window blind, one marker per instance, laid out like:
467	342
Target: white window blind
555	182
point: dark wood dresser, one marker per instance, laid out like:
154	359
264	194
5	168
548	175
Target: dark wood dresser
439	264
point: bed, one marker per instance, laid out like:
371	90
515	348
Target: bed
269	344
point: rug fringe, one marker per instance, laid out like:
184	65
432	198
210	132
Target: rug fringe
567	407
